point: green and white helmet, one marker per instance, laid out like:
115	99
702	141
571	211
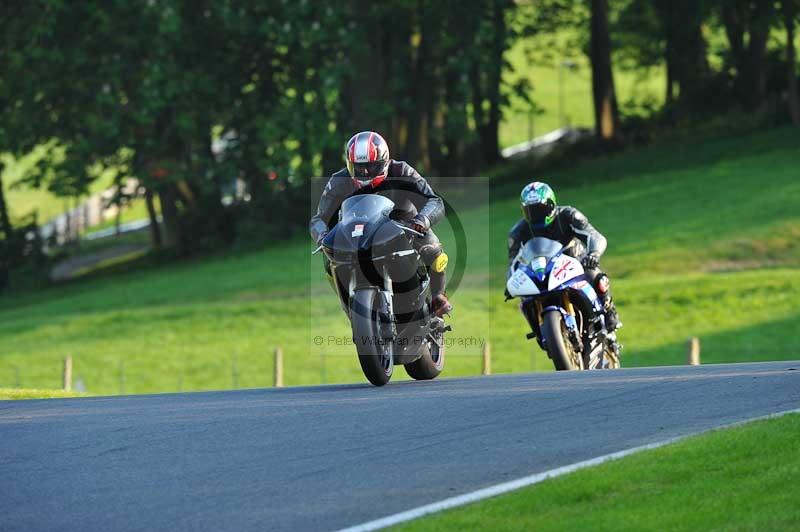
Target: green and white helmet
538	204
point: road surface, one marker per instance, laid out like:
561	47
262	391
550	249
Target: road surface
323	458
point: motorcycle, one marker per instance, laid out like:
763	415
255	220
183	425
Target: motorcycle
562	307
384	288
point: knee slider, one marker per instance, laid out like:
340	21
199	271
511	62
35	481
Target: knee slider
430	252
603	284
440	263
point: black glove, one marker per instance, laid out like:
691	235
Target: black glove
590	261
322	236
420	223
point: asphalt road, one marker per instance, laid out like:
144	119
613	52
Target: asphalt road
323	458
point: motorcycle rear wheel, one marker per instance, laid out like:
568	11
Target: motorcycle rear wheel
430	364
559	347
612	360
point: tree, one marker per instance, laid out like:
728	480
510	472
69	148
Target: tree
789	12
188	96
751	19
434	83
685	50
606	113
5	235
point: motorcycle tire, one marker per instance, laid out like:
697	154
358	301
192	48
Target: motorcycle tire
430	364
374	351
558	346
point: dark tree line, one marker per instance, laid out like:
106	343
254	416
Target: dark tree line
676	33
147	88
187	96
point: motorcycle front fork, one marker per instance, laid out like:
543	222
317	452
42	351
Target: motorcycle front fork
569	319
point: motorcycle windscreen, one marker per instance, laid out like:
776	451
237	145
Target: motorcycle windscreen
364	209
359	216
539	247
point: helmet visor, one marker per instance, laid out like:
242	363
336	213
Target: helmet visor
368	170
537	213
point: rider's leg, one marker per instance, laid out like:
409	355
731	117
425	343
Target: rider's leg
602	286
328	273
430	249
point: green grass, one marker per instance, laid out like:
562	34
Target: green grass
744	478
23	393
703	242
23	200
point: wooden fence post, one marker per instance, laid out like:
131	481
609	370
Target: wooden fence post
693	358
487	358
278	374
67	376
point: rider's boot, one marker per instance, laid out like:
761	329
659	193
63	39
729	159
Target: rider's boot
612	317
439	303
603	286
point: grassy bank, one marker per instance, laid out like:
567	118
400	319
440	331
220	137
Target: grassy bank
737	479
703	241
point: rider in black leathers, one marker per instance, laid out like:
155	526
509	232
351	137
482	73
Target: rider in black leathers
415	204
569	226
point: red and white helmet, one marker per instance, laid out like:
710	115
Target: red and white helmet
367	157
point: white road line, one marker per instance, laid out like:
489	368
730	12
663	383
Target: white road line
505	487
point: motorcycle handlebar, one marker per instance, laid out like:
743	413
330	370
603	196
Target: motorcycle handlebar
407	228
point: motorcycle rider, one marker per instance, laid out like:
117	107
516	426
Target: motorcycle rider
369	170
542	217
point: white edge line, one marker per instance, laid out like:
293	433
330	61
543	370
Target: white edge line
505	487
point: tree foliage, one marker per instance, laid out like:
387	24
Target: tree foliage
187	96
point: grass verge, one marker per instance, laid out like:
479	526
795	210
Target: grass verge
703	241
745	478
25	393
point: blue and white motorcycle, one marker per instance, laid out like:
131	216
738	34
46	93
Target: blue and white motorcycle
563	309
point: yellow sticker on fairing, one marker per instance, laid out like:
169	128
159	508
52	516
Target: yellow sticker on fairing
440	263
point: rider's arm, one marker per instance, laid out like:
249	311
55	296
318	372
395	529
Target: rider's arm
433	207
519	234
329	203
594	241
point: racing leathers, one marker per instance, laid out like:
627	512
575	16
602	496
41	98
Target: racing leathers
581	240
415	202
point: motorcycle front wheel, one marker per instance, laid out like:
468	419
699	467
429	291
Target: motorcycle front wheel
374	349
559	348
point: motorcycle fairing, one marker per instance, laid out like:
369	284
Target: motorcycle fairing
563	268
521	283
